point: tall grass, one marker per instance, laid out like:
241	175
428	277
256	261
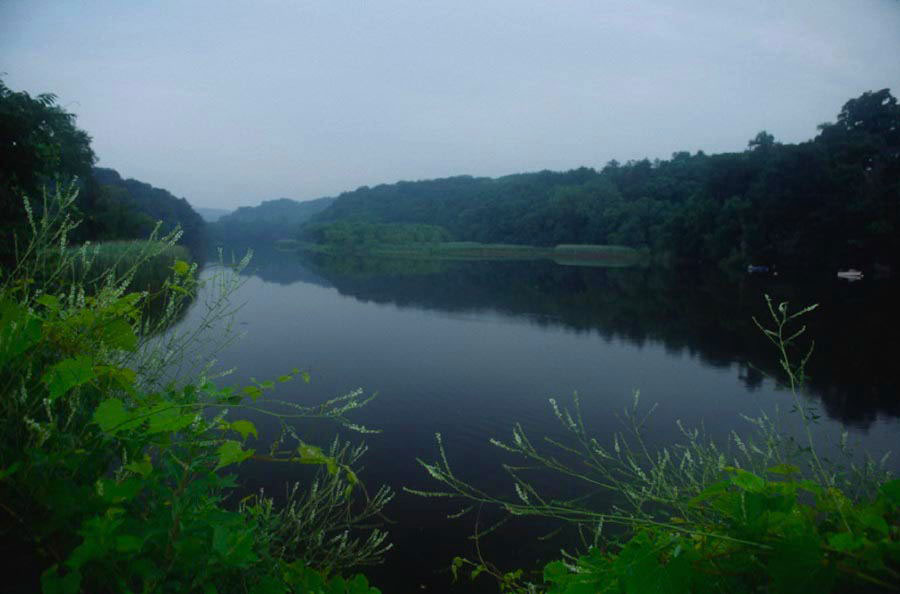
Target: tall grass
153	259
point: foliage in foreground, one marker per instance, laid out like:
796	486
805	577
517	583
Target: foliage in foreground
119	482
769	516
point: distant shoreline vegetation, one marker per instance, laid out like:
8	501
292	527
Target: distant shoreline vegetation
400	240
570	255
825	204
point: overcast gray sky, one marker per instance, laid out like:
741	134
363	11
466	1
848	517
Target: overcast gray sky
231	103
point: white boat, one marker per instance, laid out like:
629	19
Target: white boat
851	274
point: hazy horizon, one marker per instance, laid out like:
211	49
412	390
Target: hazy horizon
232	104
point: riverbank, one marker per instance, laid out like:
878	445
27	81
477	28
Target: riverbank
567	255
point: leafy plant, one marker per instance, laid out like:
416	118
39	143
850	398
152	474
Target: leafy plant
118	480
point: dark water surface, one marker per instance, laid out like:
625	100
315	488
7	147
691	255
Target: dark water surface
468	348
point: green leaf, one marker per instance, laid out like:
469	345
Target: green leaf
305	376
49	301
253	392
555	571
53	583
711	491
181	267
748	481
111	415
128	543
310	454
891	491
119	491
232	452
141	467
874	521
118	334
245	428
168	417
19	330
844	542
68	374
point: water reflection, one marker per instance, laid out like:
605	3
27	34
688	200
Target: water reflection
710	317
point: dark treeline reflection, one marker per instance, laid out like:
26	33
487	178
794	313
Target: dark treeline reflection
853	370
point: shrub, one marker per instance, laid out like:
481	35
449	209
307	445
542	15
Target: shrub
117	480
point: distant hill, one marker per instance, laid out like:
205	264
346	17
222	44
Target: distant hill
271	220
211	215
144	205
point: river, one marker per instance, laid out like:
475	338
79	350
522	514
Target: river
467	349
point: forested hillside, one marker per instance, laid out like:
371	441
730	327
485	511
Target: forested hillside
831	201
43	147
149	204
271	220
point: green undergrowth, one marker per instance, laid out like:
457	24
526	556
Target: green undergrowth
113	479
764	513
154	259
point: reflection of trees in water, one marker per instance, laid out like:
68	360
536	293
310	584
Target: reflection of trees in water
272	265
853	370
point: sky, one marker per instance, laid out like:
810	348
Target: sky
229	103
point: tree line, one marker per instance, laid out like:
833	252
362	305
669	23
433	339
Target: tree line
832	201
42	146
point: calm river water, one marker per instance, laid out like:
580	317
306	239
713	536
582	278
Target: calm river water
467	349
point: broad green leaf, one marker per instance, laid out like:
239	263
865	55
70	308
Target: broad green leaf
118	334
748	481
68	374
49	301
245	428
141	467
111	415
844	542
710	491
167	417
232	452
874	521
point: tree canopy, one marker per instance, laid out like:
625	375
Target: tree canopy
40	145
831	201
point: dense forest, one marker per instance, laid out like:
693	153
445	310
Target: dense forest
42	146
833	201
271	220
